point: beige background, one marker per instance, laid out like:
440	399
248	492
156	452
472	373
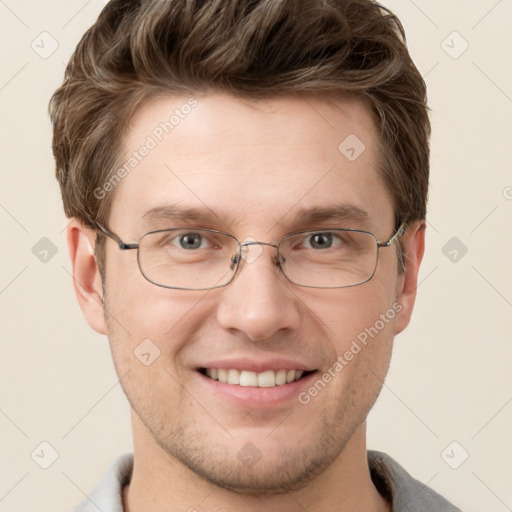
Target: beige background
450	378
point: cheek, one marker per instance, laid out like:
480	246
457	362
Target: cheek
139	309
149	326
349	313
362	346
359	326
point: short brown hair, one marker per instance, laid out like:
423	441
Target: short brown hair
250	48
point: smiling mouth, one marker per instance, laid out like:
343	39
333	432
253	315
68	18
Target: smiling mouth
246	378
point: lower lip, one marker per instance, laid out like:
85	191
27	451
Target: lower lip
255	397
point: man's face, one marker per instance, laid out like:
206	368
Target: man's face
254	166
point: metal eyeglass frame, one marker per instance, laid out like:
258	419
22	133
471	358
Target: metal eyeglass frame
124	246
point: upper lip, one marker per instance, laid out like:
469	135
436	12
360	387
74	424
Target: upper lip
258	366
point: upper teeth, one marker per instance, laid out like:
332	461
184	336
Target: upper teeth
266	379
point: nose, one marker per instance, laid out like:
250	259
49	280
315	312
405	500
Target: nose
259	302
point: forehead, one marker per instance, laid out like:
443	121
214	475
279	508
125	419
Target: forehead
251	164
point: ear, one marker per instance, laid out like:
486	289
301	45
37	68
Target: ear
413	246
86	275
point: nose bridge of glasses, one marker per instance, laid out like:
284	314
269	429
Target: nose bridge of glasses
242	255
256	242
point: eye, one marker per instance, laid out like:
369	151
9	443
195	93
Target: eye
324	240
189	240
183	241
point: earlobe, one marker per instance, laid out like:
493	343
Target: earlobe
413	245
86	276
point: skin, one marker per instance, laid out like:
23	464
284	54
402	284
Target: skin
253	164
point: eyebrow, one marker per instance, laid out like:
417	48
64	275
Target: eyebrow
201	215
336	213
343	214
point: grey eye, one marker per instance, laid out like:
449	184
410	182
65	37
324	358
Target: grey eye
321	240
190	241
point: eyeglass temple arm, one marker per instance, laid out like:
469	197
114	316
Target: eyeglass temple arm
399	232
122	245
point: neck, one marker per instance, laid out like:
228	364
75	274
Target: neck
162	483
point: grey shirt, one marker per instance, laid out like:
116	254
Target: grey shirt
404	492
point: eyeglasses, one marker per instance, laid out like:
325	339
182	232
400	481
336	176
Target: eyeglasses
203	259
